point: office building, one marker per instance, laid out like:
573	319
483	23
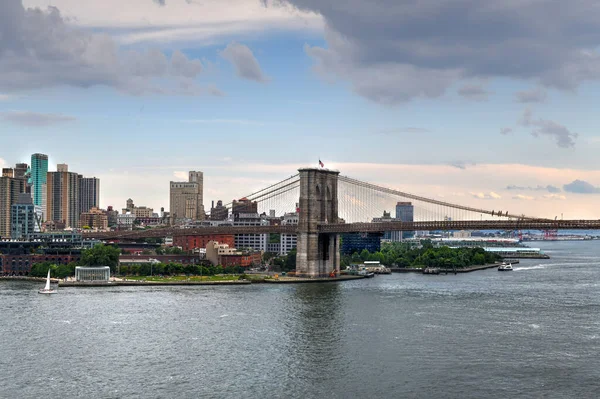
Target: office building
356	242
89	193
10	188
38	177
186	198
257	242
405	212
63	198
394	236
26	218
112	216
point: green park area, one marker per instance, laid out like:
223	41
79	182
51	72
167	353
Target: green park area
421	255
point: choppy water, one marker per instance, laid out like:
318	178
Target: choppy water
534	332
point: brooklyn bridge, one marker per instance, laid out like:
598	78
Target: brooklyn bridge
329	204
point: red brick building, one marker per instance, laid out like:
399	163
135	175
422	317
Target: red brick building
244	260
188	243
21	264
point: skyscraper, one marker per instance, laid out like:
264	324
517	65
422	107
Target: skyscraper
39	173
405	211
89	193
186	198
10	188
63	198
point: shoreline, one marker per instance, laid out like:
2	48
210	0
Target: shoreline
450	271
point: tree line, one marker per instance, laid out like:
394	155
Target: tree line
108	255
423	254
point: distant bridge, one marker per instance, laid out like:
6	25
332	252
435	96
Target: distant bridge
329	205
526	224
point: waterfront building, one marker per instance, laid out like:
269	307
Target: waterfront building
10	188
405	212
256	242
193	242
288	241
63	197
26	218
224	255
96	274
89	193
38	177
186	198
356	242
95	219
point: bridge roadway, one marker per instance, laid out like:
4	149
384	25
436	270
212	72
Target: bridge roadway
528	224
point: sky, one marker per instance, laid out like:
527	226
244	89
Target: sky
479	102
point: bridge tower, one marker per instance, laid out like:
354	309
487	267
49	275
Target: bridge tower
318	254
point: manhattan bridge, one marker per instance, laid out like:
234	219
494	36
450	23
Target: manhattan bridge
329	204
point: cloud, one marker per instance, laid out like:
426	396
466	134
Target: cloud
541	127
581	187
490	195
35	119
473	92
531	96
555	197
402	130
161	3
427	45
40	49
461	164
244	122
506	130
549	188
181	175
5	97
523	197
245	64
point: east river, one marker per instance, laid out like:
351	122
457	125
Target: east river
533	332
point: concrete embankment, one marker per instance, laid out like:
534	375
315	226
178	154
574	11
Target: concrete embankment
26	278
451	271
298	280
148	283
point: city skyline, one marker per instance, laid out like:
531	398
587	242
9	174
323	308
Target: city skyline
275	88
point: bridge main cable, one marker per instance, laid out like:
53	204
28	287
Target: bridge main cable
360	183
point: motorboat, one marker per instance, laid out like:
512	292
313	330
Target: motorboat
47	289
367	274
505	267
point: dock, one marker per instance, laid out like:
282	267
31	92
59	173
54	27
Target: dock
451	271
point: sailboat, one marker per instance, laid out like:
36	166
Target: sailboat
47	289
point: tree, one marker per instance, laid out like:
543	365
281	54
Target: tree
101	255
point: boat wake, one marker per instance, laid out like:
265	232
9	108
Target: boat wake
530	267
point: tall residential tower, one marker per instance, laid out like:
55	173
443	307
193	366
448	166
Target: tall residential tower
39	173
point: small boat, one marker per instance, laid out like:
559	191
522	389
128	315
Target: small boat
431	270
367	274
505	267
47	289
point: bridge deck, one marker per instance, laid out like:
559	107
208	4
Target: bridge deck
530	224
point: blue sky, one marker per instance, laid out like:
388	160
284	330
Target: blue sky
280	87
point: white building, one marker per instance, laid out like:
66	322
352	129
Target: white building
288	241
257	242
125	221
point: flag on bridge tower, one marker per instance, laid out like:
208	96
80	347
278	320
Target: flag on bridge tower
321	164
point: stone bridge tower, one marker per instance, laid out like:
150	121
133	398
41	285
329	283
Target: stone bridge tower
318	254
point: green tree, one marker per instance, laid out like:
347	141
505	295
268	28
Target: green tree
101	255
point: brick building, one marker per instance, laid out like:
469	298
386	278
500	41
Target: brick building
245	259
189	243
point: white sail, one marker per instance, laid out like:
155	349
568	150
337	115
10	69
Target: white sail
47	287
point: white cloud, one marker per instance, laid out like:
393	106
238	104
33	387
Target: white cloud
523	197
555	197
204	22
181	175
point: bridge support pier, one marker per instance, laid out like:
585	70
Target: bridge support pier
318	255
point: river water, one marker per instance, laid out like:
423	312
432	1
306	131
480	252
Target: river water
533	332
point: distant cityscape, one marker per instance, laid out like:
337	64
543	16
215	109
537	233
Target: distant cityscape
44	214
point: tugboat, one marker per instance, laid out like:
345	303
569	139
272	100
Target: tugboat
505	267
